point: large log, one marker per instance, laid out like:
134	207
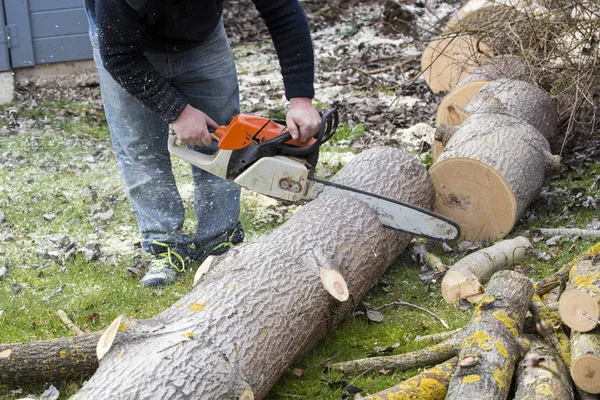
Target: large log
542	375
262	304
491	347
499	67
492	168
465	279
579	304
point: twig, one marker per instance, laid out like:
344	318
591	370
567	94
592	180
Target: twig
68	323
55	293
436	337
404	303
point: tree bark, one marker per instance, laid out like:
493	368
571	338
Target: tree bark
48	360
262	304
585	364
549	326
491	346
493	167
431	384
560	277
542	375
430	355
465	279
579	304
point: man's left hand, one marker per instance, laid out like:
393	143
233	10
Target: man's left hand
303	120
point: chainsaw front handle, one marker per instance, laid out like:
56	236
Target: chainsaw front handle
329	124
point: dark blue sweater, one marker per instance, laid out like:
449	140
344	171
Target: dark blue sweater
127	27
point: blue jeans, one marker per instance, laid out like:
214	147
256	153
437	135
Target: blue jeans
207	76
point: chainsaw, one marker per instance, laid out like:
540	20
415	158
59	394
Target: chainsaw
259	154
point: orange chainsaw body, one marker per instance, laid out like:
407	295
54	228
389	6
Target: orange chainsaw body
244	128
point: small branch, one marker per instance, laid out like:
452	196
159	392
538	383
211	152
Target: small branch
68	323
430	355
403	303
591	234
436	337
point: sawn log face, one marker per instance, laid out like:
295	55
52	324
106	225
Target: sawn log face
262	304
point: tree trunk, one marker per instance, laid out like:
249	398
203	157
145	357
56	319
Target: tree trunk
491	348
493	167
465	279
431	384
585	364
542	375
262	304
579	304
48	360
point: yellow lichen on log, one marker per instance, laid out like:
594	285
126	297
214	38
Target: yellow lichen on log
431	384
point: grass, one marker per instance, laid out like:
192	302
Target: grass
55	179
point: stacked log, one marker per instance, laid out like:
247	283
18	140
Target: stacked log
493	167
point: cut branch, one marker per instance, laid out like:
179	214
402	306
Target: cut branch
465	278
428	356
585	368
579	304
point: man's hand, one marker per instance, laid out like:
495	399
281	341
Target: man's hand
191	127
303	120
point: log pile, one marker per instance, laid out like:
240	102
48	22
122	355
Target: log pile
513	346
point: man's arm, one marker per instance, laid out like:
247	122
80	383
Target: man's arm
121	32
288	26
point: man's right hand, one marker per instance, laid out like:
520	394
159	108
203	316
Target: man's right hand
191	127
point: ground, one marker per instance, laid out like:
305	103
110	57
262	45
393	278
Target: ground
69	240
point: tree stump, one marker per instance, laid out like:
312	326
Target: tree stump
579	304
490	349
492	168
262	304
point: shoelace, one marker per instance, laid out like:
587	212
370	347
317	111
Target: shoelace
226	244
166	260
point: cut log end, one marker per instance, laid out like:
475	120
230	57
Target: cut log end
457	286
108	337
203	268
585	371
449	60
247	394
579	311
460	96
334	283
480	201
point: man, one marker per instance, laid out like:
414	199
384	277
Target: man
164	62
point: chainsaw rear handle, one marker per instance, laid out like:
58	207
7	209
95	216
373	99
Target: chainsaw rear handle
329	123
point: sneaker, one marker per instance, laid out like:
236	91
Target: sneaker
227	240
163	267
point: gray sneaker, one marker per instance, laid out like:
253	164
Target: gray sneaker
163	268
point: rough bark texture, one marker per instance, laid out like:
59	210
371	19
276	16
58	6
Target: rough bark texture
585	367
548	324
431	384
466	277
579	304
591	234
48	360
493	167
430	355
542	375
262	304
519	99
490	349
560	277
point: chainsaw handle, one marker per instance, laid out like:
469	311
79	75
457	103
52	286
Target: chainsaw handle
329	123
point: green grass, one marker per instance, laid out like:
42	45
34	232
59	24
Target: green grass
45	195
